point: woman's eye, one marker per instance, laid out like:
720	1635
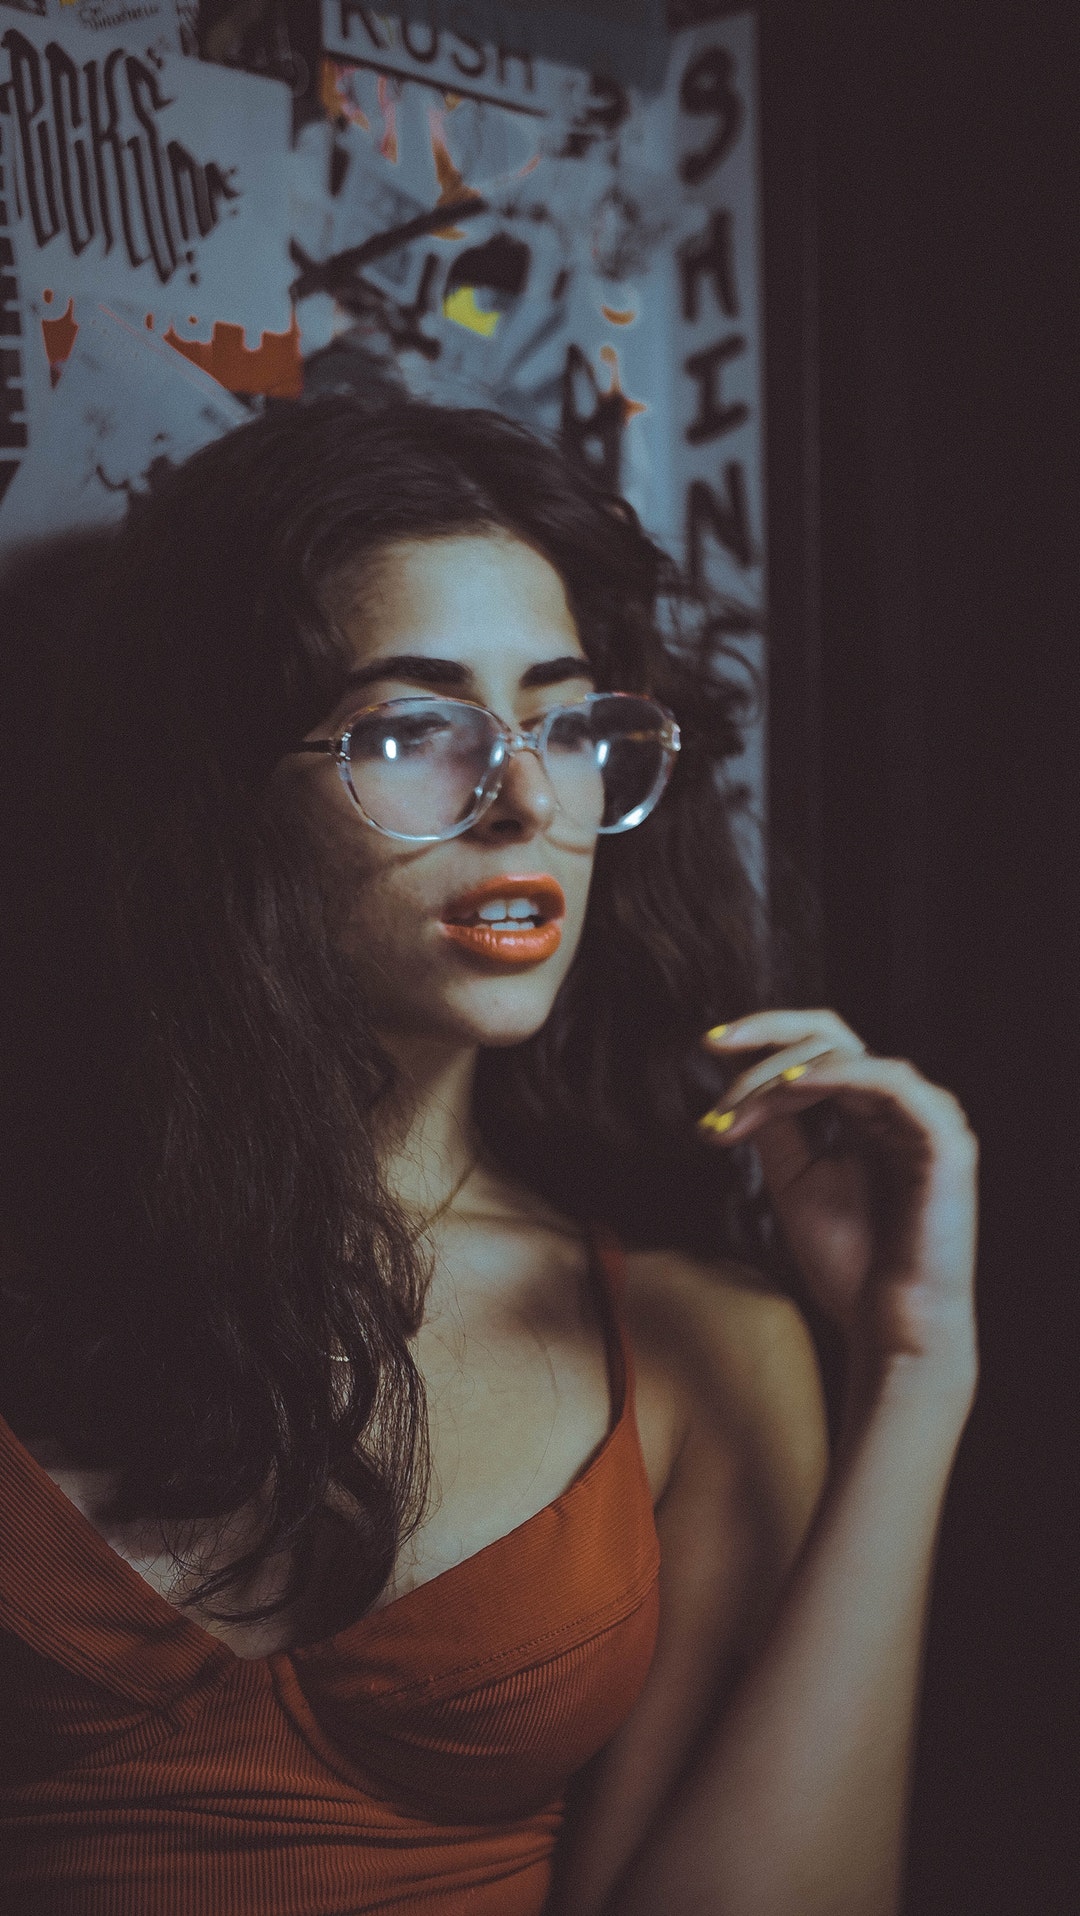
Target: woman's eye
571	729
405	736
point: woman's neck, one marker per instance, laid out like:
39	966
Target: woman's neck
431	1138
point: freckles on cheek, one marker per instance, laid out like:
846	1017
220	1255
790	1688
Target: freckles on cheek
379	918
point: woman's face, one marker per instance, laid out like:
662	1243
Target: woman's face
482	617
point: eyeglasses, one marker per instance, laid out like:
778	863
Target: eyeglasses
425	769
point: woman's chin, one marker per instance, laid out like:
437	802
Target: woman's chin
502	1011
514	1027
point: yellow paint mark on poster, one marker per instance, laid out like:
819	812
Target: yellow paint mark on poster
461	307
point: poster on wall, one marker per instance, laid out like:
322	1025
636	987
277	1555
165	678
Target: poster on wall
136	181
452	214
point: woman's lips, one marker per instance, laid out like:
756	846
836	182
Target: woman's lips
517	945
509	941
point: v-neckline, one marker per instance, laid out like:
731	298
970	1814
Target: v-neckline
184	1627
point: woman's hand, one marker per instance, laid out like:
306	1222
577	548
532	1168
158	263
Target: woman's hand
882	1225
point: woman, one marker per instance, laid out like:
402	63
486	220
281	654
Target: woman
415	1483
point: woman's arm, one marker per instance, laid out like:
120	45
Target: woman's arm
794	1802
731	1366
796	1807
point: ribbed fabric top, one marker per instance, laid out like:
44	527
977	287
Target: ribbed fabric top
416	1760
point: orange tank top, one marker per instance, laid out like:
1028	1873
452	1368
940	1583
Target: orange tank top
416	1760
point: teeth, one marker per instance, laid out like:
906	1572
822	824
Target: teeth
500	908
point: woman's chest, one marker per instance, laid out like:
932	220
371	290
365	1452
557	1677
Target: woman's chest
520	1381
523	1382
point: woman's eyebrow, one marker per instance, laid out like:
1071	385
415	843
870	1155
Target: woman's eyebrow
422	669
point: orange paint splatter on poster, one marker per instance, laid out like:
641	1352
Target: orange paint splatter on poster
617	315
274	367
335	101
388	145
59	334
452	187
630	406
47	295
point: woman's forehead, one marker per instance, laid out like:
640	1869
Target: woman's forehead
472	574
485	601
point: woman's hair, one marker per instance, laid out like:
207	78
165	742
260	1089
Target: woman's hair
192	1216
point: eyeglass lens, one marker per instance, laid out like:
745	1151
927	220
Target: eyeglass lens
422	766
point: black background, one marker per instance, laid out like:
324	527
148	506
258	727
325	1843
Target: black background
922	239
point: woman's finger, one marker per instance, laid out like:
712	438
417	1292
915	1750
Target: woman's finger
761	1028
881	1092
781	1067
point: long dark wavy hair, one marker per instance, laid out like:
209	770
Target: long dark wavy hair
192	1216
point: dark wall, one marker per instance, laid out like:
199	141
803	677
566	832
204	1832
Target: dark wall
922	197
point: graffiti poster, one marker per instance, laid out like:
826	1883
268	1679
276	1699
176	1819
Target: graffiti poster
137	179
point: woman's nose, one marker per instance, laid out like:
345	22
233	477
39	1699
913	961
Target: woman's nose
525	803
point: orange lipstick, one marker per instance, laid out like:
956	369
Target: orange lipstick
507	941
525	947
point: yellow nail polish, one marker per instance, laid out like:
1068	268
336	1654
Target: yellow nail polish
716	1032
717	1121
793	1071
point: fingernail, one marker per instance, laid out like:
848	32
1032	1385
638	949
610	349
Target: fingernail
793	1071
717	1031
717	1121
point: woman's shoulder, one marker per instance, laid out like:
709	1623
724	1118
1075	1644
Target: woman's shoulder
723	1355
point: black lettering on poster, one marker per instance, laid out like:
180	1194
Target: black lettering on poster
349	10
196	191
714	418
27	97
710	254
707	90
503	58
513	66
425	52
89	170
146	157
726	519
592	422
75	187
108	147
472	69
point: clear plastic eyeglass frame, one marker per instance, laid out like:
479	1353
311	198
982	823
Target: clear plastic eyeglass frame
505	745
